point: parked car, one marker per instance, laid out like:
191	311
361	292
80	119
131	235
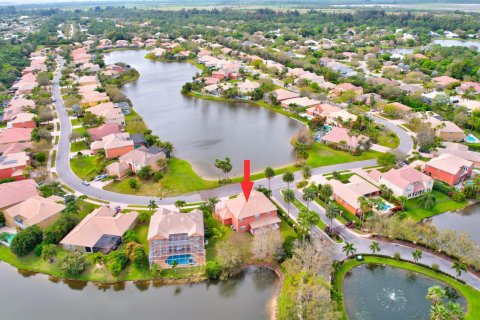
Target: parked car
85	183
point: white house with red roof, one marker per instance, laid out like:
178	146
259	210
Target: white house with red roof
407	181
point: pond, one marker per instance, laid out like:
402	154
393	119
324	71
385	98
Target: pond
458	43
35	297
466	220
387	293
202	130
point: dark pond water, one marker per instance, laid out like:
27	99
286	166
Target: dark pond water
35	297
466	220
387	293
201	130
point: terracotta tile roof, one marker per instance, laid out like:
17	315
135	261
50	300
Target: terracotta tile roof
257	203
15	192
15	135
405	176
449	163
350	192
337	135
36	209
141	158
282	94
103	130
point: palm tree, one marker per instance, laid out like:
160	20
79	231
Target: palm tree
212	203
365	206
307	219
459	267
349	248
327	192
375	247
289	197
332	212
427	201
403	201
152	205
269	174
288	177
417	255
219	232
179	204
435	294
309	194
306	172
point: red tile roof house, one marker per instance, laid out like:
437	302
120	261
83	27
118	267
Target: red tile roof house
114	144
13	165
322	110
407	181
258	214
174	236
12	135
339	138
348	87
22	120
347	194
100	231
302	102
449	168
139	158
109	113
468	85
15	192
445	81
103	130
21	102
282	94
87	80
461	150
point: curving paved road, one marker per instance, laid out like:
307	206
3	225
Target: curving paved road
67	176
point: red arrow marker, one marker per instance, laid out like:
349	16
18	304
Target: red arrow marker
247	185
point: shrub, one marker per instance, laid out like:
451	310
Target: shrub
59	229
302	184
458	196
130	236
73	263
38	249
49	251
116	261
144	217
138	257
133	183
435	267
41	157
26	240
157	176
2	219
397	256
386	159
213	270
441	187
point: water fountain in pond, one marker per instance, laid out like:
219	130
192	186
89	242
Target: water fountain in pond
392	299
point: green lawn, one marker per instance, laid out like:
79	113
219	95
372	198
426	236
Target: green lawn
471	295
54	158
179	179
79	146
86	168
56	139
81	130
76	122
444	204
321	155
388	139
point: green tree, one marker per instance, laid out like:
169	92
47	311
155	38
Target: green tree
49	251
213	270
269	174
117	261
41	157
327	192
416	255
288	178
403	201
427	200
179	204
332	212
309	194
289	197
144	173
26	240
306	171
386	159
375	247
73	263
459	266
133	183
349	248
307	219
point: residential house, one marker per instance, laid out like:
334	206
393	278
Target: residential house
406	181
446	130
103	130
445	81
256	215
114	144
92	98
22	120
11	135
347	194
348	87
282	94
473	87
117	169
449	168
322	110
108	113
15	192
460	150
176	239
87	80
341	138
13	165
100	231
247	87
139	158
35	210
302	102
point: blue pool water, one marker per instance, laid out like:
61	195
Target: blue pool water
9	237
384	206
327	128
181	259
472	139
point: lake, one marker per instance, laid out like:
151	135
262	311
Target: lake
387	293
459	43
202	130
466	220
35	297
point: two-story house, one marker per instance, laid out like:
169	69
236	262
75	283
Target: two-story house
449	168
406	181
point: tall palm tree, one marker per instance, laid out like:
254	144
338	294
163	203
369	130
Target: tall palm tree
375	247
427	201
349	248
212	202
288	177
219	232
152	205
327	192
289	197
306	172
365	207
459	267
269	174
179	204
417	255
307	219
403	201
309	194
332	212
435	294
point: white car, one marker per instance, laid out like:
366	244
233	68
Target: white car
85	183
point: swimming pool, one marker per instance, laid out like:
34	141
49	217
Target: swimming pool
327	128
472	139
7	237
385	206
180	259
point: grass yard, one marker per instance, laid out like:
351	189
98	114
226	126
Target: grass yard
321	155
179	179
86	167
79	146
388	139
81	130
471	295
134	123
54	158
444	204
76	122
